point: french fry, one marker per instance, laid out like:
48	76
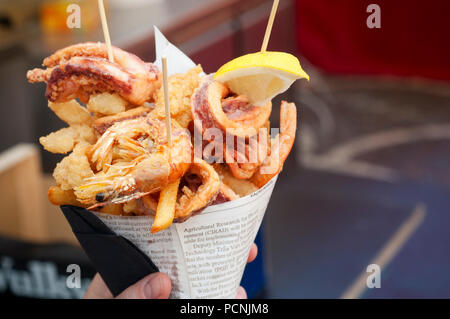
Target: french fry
165	211
58	196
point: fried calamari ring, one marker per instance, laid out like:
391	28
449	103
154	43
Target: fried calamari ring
200	187
83	69
133	159
234	115
225	194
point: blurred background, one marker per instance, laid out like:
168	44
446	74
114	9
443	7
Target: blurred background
368	181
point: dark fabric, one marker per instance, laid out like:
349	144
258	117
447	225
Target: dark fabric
119	261
37	270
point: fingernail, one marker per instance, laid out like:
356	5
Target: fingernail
153	287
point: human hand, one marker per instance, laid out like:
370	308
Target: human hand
153	286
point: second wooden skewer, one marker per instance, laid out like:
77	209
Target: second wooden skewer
101	9
269	25
166	99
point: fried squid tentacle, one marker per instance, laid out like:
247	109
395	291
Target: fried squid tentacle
280	146
83	69
98	50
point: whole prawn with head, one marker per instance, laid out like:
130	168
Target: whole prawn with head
133	159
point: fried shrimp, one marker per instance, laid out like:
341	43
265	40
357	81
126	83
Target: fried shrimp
132	159
280	146
245	158
83	69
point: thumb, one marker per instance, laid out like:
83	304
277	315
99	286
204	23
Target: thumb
153	286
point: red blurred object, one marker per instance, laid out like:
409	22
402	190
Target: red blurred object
413	39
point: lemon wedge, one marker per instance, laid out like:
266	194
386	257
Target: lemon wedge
261	76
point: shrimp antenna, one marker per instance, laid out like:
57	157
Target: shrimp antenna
166	99
269	25
101	9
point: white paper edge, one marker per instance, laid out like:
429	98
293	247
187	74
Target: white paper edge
177	61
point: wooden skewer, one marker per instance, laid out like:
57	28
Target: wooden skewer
269	25
166	99
101	9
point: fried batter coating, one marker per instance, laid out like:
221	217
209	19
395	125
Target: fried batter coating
73	169
181	88
64	140
106	104
59	142
71	112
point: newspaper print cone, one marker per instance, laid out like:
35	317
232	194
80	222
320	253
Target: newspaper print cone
205	256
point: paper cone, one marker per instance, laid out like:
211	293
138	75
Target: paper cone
204	256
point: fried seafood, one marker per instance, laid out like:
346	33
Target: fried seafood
199	188
213	108
245	125
81	70
240	187
224	195
121	162
71	112
280	146
106	104
132	159
103	123
181	89
248	154
74	169
64	140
